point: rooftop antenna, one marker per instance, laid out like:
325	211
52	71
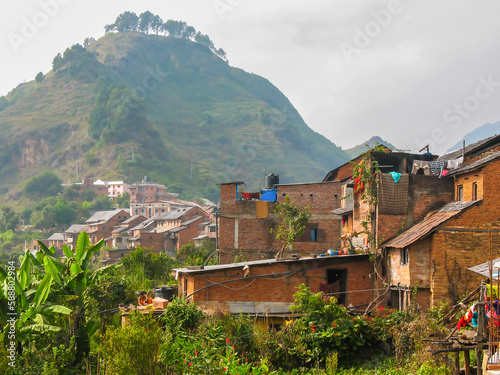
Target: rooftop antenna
77	171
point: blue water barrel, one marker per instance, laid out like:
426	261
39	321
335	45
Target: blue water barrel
268	195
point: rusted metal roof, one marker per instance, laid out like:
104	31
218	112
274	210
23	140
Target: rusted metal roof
429	224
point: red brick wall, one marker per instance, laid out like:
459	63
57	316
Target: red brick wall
429	193
454	251
255	241
152	240
417	269
281	289
186	235
321	197
389	225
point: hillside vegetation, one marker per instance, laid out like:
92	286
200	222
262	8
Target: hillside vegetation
168	106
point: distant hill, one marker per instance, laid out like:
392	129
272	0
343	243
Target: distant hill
132	104
478	134
363	147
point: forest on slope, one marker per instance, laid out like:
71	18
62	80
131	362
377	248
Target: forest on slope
155	98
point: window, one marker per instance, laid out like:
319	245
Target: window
314	235
404	256
460	193
474	191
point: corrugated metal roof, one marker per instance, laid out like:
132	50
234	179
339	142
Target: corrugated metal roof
476	164
483	269
264	262
428	225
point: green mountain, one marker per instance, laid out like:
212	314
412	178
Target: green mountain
359	149
131	104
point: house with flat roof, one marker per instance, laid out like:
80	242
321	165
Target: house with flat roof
265	288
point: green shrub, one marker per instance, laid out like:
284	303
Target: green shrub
132	349
181	317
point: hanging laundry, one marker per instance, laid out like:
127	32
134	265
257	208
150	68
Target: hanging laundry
421	164
454	164
395	176
461	323
444	172
474	319
437	167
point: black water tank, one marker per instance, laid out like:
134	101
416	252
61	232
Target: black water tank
166	292
271	180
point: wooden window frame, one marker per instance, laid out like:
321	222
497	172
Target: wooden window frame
405	256
460	193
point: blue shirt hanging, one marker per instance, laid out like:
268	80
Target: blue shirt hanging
396	176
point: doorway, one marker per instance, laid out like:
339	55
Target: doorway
336	282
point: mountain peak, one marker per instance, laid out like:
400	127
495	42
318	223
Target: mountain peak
372	142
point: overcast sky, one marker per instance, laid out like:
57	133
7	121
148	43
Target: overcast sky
412	72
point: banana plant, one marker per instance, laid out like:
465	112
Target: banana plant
46	286
24	295
71	278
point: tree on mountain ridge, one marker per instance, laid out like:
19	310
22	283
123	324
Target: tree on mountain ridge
146	21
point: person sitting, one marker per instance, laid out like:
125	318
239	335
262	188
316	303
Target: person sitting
143	299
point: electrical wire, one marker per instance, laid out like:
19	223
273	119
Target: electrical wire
225	286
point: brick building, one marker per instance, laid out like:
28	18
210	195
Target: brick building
122	236
398	205
146	192
245	223
71	234
266	287
445	244
102	223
